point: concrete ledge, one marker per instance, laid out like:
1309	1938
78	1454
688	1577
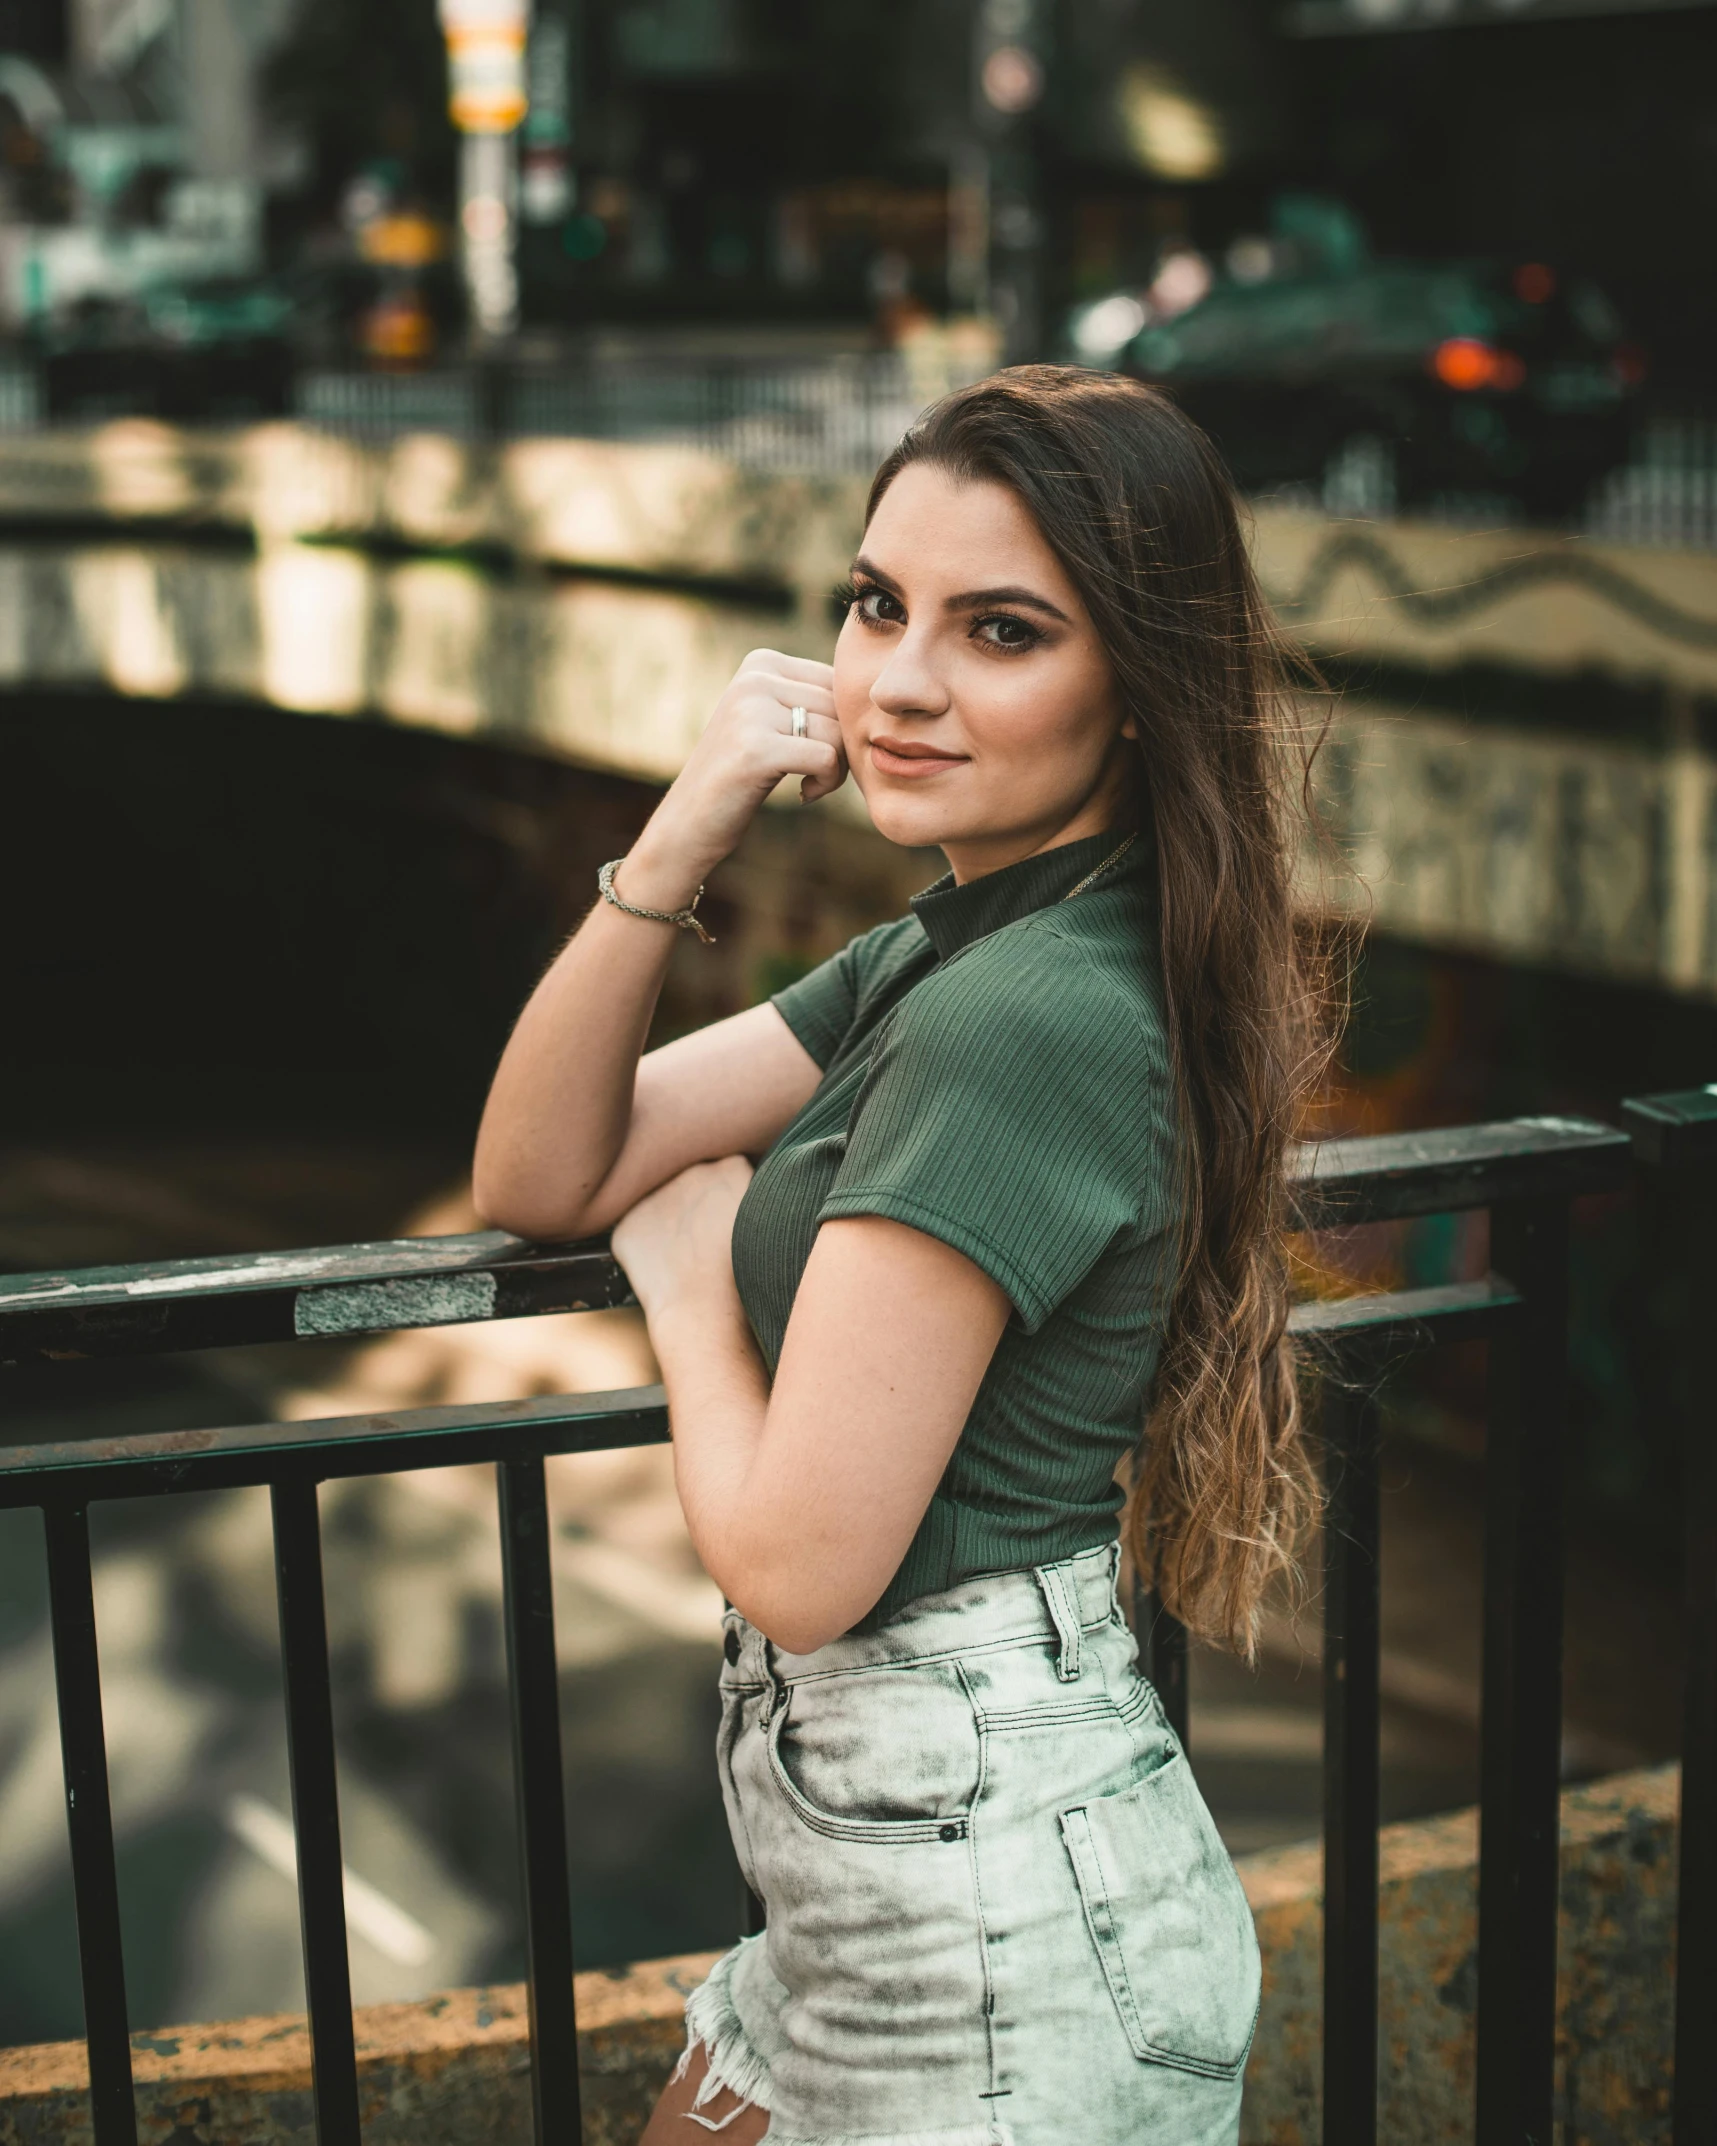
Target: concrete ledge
1616	1979
453	2067
453	2070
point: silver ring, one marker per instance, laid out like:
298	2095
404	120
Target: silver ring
798	715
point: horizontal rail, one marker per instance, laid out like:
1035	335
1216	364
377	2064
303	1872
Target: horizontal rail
1677	1130
158	1463
1387	1177
1456	1310
326	1291
453	1281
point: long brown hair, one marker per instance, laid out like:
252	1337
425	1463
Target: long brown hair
1136	504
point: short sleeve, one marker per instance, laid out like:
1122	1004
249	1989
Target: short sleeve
819	1007
822	1008
1020	1115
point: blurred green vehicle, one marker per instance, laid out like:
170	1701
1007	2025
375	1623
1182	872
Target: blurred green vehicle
215	349
1398	384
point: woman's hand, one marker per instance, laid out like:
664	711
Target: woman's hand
747	747
677	1244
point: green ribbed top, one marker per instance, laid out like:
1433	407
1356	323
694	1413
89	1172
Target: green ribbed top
995	1073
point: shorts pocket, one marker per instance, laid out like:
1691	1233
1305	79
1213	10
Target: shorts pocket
890	1754
1169	1919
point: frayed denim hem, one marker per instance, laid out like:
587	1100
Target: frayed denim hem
990	2134
713	2025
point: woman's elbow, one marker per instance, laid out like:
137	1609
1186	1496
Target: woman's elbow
794	1613
502	1202
794	1634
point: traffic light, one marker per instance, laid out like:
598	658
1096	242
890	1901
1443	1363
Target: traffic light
1010	72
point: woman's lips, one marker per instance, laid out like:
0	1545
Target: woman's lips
892	758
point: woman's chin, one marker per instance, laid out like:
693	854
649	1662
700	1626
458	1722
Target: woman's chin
911	822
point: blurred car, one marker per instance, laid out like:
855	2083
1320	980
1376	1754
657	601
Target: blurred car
1391	383
217	349
223	347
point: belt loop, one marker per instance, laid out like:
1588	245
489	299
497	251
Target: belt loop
1061	1599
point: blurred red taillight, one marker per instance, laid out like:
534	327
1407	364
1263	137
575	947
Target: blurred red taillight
1464	363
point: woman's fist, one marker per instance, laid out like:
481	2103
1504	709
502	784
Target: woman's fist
752	726
678	1240
747	748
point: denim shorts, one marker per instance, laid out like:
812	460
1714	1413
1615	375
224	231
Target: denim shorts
998	1911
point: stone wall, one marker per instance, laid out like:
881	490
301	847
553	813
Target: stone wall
453	2070
1591	855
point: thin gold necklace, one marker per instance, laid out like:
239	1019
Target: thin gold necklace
1114	857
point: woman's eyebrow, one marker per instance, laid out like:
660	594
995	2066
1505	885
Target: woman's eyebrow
861	565
974	597
971	599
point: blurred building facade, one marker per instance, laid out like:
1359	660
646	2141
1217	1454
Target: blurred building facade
801	162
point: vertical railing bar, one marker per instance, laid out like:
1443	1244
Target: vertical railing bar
533	1690
89	1820
1683	1197
315	1811
1519	1788
1352	1726
1696	1913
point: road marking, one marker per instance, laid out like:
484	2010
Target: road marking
395	1934
683	1605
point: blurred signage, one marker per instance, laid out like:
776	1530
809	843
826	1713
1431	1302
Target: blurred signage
1010	76
1350	18
546	186
486	63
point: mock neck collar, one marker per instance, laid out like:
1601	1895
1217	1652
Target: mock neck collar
954	916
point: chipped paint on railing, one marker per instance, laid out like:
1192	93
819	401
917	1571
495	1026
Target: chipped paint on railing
380	1307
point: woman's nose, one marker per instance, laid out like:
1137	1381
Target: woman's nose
908	682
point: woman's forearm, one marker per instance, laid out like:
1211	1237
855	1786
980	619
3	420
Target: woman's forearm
561	1101
718	1404
759	1536
561	1104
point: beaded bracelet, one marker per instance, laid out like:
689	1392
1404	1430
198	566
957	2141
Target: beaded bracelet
685	918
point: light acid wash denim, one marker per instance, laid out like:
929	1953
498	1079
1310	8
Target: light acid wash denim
999	1913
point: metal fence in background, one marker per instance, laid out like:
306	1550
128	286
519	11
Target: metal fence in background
841	415
834	415
1526	1172
23	406
1667	494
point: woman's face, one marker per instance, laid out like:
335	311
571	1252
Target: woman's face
977	707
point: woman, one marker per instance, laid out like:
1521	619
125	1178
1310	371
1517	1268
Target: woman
1021	1181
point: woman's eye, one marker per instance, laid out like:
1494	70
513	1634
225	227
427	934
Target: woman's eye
878	608
1004	630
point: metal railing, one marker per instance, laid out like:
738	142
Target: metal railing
1525	1171
833	416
